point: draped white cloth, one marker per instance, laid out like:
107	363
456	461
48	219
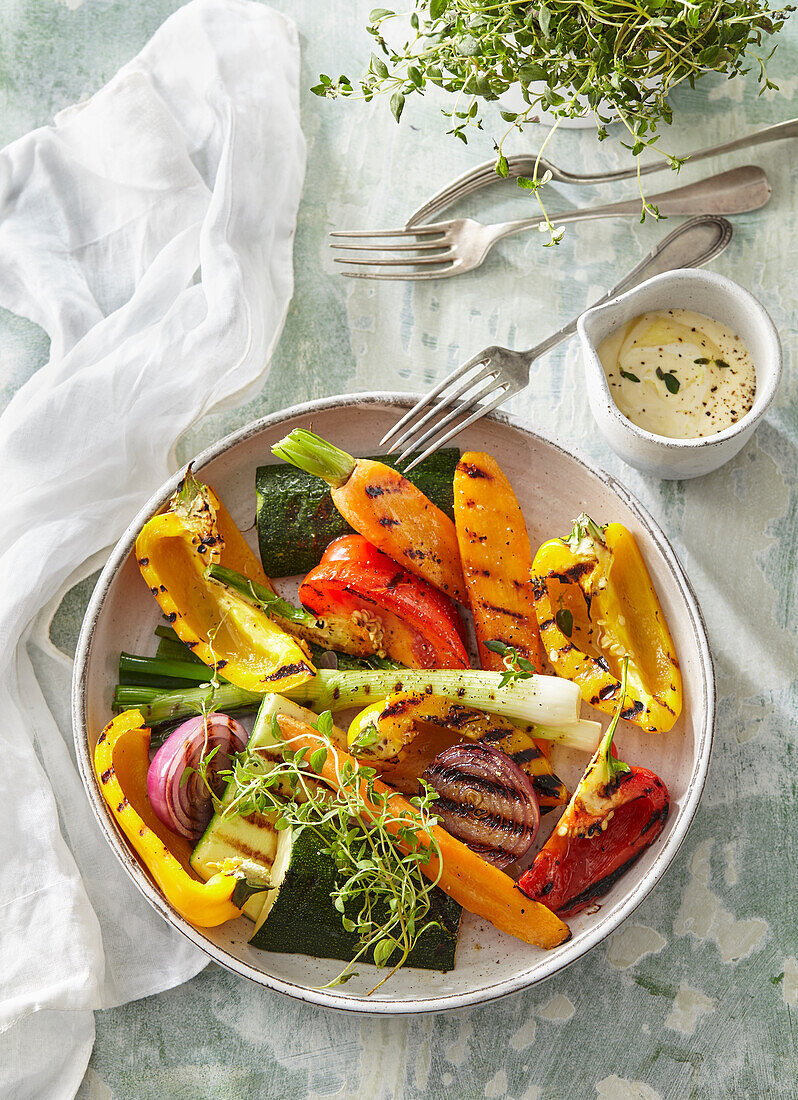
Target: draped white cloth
149	231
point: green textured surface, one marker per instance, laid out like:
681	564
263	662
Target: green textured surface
697	994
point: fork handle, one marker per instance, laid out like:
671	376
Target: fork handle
730	192
691	244
522	164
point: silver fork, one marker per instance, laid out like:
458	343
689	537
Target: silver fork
450	248
524	165
497	374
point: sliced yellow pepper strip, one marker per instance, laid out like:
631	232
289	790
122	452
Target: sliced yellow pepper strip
240	641
121	759
596	604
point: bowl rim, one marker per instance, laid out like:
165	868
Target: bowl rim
555	961
762	399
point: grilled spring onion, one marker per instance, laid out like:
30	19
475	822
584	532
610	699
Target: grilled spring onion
534	699
551	704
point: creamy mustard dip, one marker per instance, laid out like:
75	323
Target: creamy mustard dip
678	374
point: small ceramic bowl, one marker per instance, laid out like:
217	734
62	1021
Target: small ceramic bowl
716	297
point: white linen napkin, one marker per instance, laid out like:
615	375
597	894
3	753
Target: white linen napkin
149	231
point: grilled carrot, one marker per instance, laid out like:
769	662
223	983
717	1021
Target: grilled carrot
467	878
385	508
496	559
497	564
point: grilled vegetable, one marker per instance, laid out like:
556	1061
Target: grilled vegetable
297	519
247	841
551	704
302	918
615	813
497	561
184	804
463	875
340	886
485	800
406	618
173	551
344	633
384	507
251	840
121	762
401	736
596	606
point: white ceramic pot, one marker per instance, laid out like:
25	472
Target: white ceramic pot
716	297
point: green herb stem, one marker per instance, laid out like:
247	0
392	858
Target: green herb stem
608	768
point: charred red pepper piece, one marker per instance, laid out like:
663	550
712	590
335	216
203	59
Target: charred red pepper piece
615	813
412	622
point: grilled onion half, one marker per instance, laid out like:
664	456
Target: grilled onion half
485	800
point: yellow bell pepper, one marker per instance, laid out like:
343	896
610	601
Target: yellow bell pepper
596	604
225	631
121	760
400	736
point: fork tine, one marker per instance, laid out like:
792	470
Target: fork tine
404	439
407	276
415	245
483	410
463	407
419	230
428	398
402	261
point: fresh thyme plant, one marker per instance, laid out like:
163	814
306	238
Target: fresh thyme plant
618	58
382	894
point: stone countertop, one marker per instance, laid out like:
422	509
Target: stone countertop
697	994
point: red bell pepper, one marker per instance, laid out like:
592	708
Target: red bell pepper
615	813
412	622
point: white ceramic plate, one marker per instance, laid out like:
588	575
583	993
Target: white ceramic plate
553	487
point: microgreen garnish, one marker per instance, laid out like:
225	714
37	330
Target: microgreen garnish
722	363
565	621
565	57
672	383
382	894
518	668
628	374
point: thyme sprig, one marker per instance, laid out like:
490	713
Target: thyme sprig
618	58
382	894
516	666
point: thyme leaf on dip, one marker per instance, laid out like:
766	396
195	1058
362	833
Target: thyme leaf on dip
672	383
628	374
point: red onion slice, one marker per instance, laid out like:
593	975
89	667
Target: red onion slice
186	807
485	800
